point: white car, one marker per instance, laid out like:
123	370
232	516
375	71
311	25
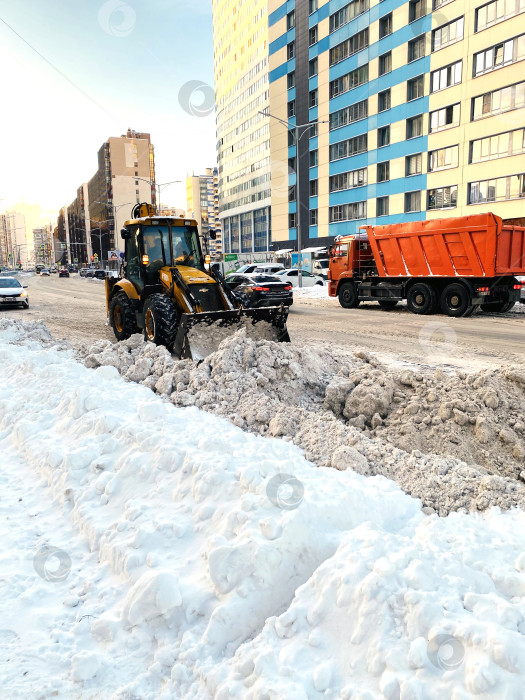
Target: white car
269	268
44	273
292	276
12	292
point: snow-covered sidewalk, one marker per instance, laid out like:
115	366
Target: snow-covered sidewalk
173	555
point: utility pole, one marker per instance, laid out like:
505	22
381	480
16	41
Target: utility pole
298	134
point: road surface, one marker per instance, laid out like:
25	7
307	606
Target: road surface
75	309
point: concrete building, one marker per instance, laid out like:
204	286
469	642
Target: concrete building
424	104
202	200
240	35
16	246
90	225
43	245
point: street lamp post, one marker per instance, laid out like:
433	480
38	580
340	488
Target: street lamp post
158	187
114	209
296	128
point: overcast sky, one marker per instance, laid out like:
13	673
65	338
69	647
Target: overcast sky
119	65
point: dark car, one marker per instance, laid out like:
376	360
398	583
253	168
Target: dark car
100	275
260	290
63	273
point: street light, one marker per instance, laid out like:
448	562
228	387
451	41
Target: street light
158	186
114	208
297	136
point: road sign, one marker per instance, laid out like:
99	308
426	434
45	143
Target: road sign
229	257
63	246
75	260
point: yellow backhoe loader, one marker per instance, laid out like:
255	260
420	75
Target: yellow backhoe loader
167	289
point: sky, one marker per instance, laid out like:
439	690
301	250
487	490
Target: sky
79	71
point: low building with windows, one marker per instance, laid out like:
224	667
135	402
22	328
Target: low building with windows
412	100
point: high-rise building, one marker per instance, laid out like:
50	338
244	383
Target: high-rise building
240	36
421	110
43	245
202	200
90	225
16	246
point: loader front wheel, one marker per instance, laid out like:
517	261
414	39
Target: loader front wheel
122	316
160	321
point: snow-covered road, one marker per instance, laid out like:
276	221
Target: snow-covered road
149	551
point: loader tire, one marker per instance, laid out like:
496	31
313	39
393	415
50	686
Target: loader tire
347	294
160	321
122	316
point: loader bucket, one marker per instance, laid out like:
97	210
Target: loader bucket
200	334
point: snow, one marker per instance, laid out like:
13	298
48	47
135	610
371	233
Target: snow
318	291
151	551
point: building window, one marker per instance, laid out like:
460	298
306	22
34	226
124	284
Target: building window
448	34
292	220
416	48
312	35
385	26
442	198
500	55
291	165
416	10
349	147
312	98
383	101
443	158
291	108
382	206
347	212
290	50
314	188
499	101
347	82
312	6
312	67
497	11
348	115
412	201
290	80
313	217
349	180
290	20
383	136
383	171
385	63
347	14
415	88
292	193
446	77
445	118
413	164
349	47
314	158
498	189
312	131
291	137
415	127
510	143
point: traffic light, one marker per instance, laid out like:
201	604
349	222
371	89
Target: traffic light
92	258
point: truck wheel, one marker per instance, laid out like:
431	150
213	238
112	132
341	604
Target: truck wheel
498	307
160	321
122	316
348	296
421	299
386	304
456	300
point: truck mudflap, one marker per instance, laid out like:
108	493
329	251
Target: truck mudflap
200	334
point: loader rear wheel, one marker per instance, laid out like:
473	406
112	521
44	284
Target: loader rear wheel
456	301
122	316
421	299
348	296
160	321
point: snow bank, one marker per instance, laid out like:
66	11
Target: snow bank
239	569
318	291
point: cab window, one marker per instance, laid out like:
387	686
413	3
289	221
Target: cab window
341	250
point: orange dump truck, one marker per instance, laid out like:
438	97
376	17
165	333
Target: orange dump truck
452	265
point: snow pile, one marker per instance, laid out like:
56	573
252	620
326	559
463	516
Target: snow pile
19	332
455	441
318	291
238	569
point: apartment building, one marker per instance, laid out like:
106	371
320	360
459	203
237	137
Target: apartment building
202	200
413	101
16	246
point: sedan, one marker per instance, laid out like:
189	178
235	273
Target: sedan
63	273
12	292
100	274
254	291
292	277
44	273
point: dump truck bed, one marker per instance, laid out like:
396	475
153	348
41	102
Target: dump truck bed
470	246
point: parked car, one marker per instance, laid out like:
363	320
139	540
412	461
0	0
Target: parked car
83	272
44	273
269	268
99	274
63	273
90	273
260	290
53	270
292	276
245	270
12	292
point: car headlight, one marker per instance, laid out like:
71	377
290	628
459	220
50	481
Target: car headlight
24	294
